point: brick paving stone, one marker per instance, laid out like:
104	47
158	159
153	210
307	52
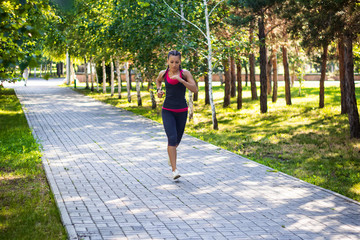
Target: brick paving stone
108	171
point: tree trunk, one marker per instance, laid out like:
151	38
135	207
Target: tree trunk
118	75
196	95
252	68
275	82
252	78
210	68
138	78
227	83
50	68
233	77
196	60
191	106
207	99
91	74
286	76
97	80
263	80
268	72
68	82
293	75
239	85
72	72
342	74
128	82
61	68
104	75
323	75
153	101
352	108
221	78
58	71
130	79
86	74
246	74
112	84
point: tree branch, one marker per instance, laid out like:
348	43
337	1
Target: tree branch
215	7
185	19
270	30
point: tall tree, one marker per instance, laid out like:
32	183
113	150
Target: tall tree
324	57
227	94
86	73
351	30
233	76
275	78
21	30
239	83
263	58
342	73
118	75
259	11
316	23
104	75
349	86
252	66
128	82
112	76
286	75
268	72
207	98
138	92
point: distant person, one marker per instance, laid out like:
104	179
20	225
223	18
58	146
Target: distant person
26	75
175	109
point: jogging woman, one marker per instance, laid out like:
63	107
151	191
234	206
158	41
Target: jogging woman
175	109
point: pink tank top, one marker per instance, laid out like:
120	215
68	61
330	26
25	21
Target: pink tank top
174	82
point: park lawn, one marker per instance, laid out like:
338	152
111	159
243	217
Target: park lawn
301	140
27	206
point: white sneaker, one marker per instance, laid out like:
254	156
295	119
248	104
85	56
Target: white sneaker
169	163
176	174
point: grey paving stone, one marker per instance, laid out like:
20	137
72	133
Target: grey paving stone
108	171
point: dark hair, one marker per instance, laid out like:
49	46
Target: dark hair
174	53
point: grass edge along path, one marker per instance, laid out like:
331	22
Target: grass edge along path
27	206
300	140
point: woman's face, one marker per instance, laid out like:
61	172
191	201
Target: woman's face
174	63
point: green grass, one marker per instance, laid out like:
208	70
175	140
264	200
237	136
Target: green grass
27	207
301	140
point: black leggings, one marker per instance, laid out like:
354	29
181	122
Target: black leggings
174	125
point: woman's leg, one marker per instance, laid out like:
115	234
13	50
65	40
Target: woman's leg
180	125
172	156
169	123
180	122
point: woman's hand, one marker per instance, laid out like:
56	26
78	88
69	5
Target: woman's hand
160	93
177	77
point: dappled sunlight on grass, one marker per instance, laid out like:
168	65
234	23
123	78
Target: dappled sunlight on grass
355	189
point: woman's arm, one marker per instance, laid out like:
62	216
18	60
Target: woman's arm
189	83
158	82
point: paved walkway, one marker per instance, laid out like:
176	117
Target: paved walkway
108	170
